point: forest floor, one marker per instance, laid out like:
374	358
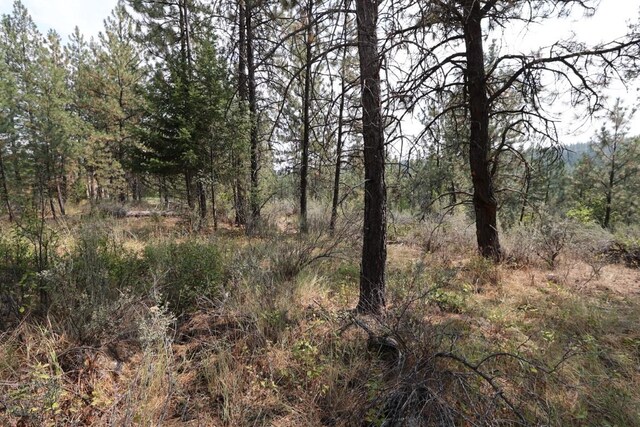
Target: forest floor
151	322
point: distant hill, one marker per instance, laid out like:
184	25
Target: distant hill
573	152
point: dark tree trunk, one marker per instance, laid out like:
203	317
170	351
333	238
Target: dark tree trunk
136	188
609	189
187	35
240	198
62	187
340	143
453	198
214	209
164	192
212	176
61	202
52	205
525	193
188	182
484	201
5	189
336	177
91	188
202	199
304	165
251	83
239	193
374	245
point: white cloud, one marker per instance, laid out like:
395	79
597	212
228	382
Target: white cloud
64	15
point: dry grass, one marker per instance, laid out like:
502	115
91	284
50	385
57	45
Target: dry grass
283	350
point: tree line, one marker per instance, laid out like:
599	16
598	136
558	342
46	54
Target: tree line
229	103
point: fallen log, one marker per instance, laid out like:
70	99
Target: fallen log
145	214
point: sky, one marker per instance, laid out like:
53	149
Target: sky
64	15
610	21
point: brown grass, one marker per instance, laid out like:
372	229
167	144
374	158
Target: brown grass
288	353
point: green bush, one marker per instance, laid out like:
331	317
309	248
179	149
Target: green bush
90	284
184	272
100	267
16	267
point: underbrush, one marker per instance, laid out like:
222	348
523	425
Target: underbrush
185	329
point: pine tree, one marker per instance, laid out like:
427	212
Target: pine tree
617	157
7	95
21	44
108	82
52	125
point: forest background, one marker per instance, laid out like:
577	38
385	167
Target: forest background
205	171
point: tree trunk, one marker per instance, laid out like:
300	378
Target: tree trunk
304	165
251	83
52	205
340	142
240	199
136	189
484	201
61	202
525	193
188	182
214	209
91	189
212	176
164	191
202	199
5	189
374	246
609	195
336	177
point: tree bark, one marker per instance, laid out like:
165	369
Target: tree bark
188	182
484	201
304	164
338	171
610	183
214	208
240	199
202	199
61	202
251	83
5	189
374	247
340	142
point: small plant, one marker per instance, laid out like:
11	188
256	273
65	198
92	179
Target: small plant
94	284
519	246
481	272
185	272
146	402
16	270
551	238
448	301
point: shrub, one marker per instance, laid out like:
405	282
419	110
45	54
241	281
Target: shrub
16	263
184	272
519	246
552	236
481	272
590	244
94	284
442	233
